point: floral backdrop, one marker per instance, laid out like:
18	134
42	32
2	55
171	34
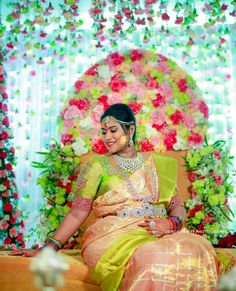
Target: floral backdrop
48	45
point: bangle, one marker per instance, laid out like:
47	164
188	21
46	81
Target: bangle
177	220
53	243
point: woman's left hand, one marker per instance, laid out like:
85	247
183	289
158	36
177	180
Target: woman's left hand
24	252
157	226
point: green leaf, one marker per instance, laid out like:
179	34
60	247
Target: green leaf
224	213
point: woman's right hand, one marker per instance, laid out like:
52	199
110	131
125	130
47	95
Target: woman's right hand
24	252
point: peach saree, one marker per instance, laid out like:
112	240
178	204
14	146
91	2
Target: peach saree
124	256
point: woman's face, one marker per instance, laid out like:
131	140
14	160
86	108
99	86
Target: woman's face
114	136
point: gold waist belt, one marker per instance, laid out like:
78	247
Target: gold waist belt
145	210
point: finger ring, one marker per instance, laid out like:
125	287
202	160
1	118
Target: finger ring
154	232
152	223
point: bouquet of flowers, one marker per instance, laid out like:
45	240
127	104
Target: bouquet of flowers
211	187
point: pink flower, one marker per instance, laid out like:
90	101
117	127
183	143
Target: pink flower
115	59
177	117
170	139
16	214
166	91
3	225
152	83
1	70
159	101
6	194
165	16
163	68
136	107
114	98
219	180
204	109
146	146
195	138
189	122
117	84
182	85
137	68
79	85
2	88
72	112
179	20
136	55
96	113
13	232
217	154
3	174
92	71
67	138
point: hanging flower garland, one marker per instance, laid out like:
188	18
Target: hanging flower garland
209	213
11	219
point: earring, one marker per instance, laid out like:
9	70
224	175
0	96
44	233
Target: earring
131	142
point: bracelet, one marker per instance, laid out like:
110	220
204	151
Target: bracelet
53	243
177	220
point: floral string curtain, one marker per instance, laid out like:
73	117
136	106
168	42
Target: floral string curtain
47	46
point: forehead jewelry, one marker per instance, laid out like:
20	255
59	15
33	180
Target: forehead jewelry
107	119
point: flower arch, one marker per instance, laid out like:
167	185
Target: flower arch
170	112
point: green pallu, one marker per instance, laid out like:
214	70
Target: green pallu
110	268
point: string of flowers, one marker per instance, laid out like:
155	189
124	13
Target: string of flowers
11	219
212	185
29	22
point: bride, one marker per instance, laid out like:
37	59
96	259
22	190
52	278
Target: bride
136	241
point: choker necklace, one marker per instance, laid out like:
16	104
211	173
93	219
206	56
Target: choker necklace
129	164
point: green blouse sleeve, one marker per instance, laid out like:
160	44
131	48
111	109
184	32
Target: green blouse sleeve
167	174
88	180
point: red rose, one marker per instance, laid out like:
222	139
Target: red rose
8	207
177	117
152	83
6	121
80	103
69	204
4	135
136	55
191	176
160	100
7	241
67	138
68	187
103	100
115	59
223	7
182	85
170	139
7	183
12	150
3	155
92	71
8	167
15	195
12	220
159	127
146	146
136	107
79	85
165	16
99	147
204	109
219	180
96	11
217	154
195	138
4	95
116	84
22	224
42	34
179	20
19	237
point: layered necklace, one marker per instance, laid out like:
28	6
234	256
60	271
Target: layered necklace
131	165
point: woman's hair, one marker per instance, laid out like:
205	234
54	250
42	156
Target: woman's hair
121	112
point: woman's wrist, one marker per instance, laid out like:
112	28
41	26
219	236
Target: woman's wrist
53	243
176	222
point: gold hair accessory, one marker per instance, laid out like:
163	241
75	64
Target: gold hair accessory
107	119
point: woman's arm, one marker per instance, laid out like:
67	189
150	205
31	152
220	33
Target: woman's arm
71	223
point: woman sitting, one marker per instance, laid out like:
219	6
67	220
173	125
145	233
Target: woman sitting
135	242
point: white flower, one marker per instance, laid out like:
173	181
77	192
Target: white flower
180	144
86	123
79	147
150	131
104	72
145	109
